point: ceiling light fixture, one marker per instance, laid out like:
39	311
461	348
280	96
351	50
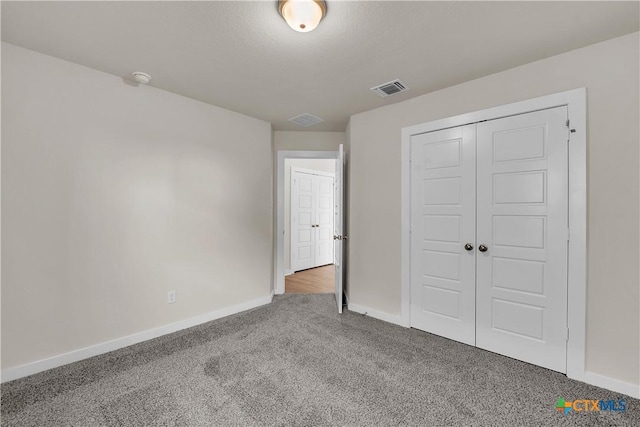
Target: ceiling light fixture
302	15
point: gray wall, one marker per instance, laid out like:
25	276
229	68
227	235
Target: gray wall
307	141
113	195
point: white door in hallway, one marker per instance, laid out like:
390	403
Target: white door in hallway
324	220
303	206
443	185
311	219
522	221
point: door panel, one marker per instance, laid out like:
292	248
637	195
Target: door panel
324	231
442	221
522	187
519	231
441	191
443	228
520	319
302	218
519	144
511	188
518	275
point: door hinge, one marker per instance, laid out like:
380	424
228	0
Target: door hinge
566	334
568	234
568	123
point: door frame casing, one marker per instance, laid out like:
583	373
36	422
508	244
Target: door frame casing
278	259
576	103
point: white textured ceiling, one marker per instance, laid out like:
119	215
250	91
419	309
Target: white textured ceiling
242	56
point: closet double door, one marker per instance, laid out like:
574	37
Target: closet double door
311	219
489	235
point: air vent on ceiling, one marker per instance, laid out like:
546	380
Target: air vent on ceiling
306	120
390	88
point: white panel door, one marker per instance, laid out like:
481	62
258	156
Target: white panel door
338	221
522	221
443	186
302	221
324	220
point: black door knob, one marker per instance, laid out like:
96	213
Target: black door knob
482	248
468	246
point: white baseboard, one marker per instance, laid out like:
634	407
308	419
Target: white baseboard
381	315
618	386
288	272
10	374
105	347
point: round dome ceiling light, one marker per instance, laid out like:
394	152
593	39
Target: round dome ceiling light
142	78
302	15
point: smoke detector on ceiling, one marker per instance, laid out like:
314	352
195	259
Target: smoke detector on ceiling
389	88
140	77
306	120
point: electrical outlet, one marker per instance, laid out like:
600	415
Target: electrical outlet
171	297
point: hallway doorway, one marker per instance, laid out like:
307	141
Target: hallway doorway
283	234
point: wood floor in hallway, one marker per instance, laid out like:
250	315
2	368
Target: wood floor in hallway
319	280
